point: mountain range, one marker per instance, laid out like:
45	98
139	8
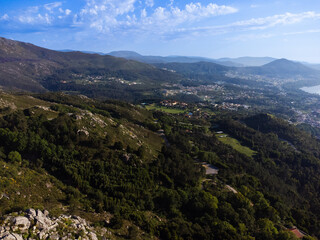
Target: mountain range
169	59
229	62
25	66
144	171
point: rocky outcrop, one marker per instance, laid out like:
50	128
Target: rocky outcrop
35	224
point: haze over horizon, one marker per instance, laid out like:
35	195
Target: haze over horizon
213	29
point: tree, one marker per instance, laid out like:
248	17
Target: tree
14	157
118	145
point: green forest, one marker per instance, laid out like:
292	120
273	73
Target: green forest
109	156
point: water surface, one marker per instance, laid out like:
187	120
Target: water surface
314	89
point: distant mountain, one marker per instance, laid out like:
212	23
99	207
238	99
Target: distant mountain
277	71
281	68
90	52
196	68
169	59
125	54
205	73
28	67
249	61
313	66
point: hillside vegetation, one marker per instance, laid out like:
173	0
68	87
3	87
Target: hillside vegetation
72	154
25	66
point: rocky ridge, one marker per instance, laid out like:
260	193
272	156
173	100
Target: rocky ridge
35	224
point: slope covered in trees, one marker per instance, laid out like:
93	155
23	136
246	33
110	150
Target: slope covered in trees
109	157
28	67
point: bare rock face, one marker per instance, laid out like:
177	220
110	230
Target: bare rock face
10	236
40	224
92	236
31	213
21	223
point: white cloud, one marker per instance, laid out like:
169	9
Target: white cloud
5	17
247	37
192	12
149	3
253	24
46	14
271	21
68	11
143	13
51	6
302	32
104	15
37	19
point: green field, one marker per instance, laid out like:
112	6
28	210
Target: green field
235	144
165	109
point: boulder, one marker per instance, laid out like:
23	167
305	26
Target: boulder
21	223
31	212
10	236
46	213
40	214
92	236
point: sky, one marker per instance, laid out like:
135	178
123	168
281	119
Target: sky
230	28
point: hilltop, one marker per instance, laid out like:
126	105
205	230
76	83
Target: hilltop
25	66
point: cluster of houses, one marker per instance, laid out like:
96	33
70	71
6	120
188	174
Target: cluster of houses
171	103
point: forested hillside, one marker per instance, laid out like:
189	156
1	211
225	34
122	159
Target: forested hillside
27	67
72	154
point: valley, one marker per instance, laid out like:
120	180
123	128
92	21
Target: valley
173	150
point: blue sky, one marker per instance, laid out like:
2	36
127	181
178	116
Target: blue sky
230	28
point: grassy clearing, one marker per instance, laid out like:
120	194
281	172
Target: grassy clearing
165	109
10	103
23	101
235	144
27	188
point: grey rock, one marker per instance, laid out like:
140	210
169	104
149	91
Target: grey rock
10	236
40	214
53	226
21	223
31	213
3	195
46	213
42	235
54	237
8	219
92	236
42	222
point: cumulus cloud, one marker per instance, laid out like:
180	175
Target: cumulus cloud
104	15
5	17
47	14
68	11
39	19
149	3
141	17
191	12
